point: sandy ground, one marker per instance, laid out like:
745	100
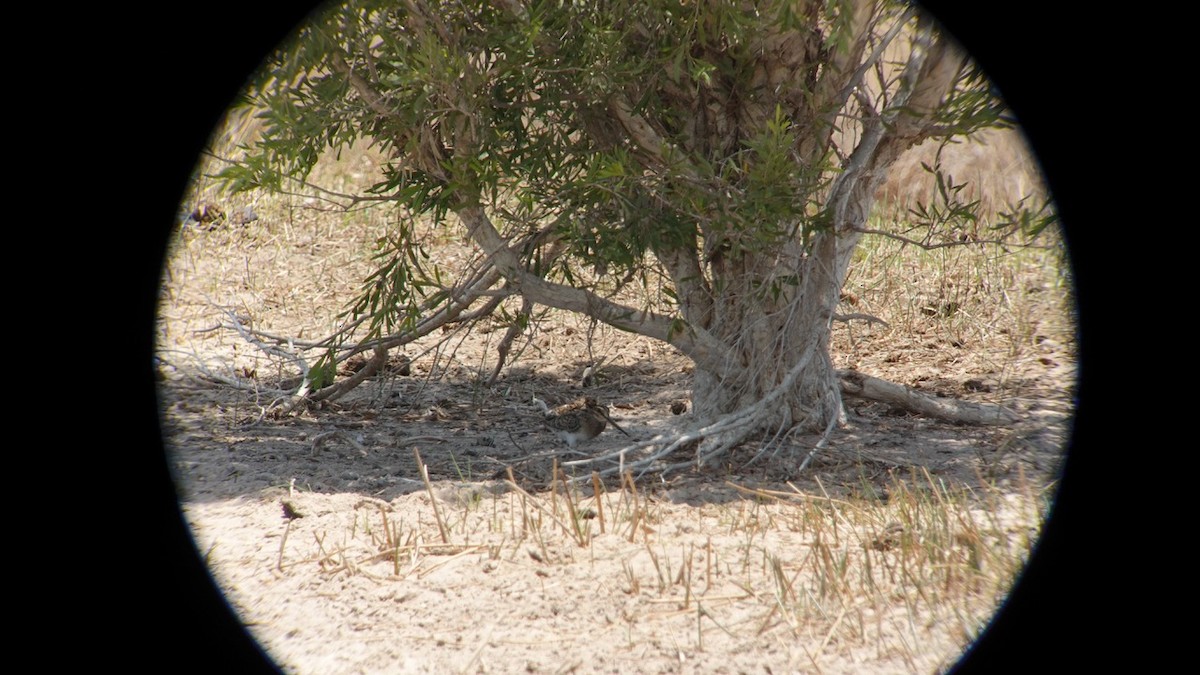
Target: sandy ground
364	581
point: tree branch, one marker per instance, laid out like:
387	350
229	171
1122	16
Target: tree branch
926	245
856	79
324	194
427	155
691	340
374	100
339	389
659	150
839	76
928	76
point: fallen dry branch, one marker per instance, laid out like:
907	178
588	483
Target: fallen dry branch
857	384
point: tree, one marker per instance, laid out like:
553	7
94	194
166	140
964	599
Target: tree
730	151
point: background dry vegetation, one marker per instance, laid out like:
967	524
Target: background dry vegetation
890	552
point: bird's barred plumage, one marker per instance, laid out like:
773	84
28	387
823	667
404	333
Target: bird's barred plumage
580	420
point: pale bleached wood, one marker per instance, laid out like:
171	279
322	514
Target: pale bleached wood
857	384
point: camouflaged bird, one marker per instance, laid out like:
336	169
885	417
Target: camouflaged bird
580	420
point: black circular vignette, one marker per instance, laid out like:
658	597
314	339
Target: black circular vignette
1042	64
198	61
1062	614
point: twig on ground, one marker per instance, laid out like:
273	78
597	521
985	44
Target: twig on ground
270	350
816	448
514	329
432	497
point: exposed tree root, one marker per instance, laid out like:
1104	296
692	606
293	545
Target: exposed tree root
715	440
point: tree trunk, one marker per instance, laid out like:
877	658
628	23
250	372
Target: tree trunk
772	310
771	302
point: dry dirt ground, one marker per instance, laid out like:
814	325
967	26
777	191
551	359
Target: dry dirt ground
889	553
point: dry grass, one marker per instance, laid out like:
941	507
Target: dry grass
775	578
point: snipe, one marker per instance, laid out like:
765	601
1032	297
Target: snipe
580	420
